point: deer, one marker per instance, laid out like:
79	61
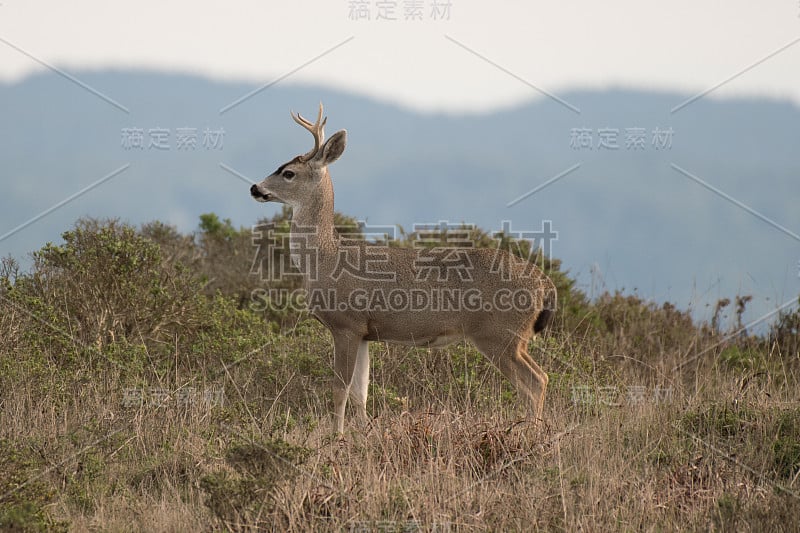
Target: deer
398	295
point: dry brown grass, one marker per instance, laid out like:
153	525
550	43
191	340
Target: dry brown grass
428	460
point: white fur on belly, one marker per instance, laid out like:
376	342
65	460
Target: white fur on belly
432	342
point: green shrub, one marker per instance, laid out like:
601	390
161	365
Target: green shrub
718	419
247	495
23	494
107	283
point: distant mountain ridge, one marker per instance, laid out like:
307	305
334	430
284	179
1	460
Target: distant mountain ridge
634	214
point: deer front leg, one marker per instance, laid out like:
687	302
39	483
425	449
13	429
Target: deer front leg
360	382
347	356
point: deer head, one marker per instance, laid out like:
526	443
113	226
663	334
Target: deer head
306	175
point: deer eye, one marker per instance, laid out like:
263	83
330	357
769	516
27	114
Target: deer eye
288	175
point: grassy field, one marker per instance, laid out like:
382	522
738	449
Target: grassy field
139	391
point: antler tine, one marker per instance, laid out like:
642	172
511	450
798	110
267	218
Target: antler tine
316	129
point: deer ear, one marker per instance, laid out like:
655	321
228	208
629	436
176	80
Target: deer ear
333	148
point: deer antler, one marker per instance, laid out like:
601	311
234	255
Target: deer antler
316	129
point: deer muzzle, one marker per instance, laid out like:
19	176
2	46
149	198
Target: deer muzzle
259	195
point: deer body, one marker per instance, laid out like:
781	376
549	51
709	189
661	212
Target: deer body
405	295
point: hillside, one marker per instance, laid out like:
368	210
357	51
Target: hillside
625	218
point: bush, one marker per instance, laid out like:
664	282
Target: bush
247	495
109	290
104	284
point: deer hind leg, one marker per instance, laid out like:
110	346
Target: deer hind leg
510	355
350	375
537	381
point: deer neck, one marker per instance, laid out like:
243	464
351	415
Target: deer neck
312	222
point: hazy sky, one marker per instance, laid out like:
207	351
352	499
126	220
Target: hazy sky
432	63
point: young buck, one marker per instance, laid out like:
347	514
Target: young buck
362	291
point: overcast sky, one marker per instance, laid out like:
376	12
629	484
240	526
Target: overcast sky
469	56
